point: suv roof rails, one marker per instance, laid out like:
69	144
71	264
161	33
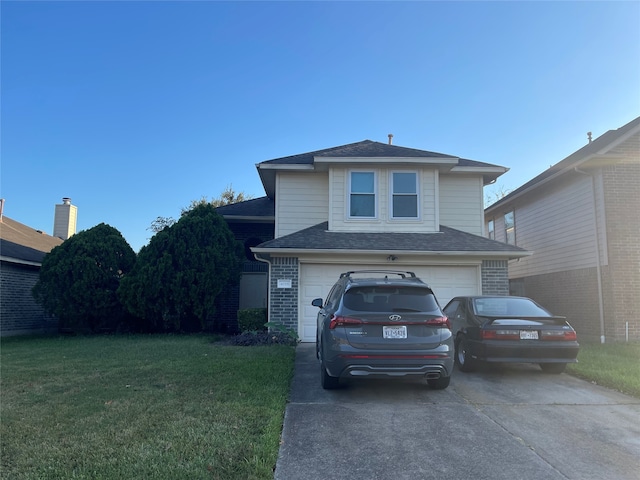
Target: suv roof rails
400	273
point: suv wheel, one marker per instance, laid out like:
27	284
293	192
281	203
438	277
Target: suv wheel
327	381
439	383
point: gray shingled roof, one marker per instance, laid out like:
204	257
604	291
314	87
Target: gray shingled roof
22	243
256	207
448	239
572	160
369	148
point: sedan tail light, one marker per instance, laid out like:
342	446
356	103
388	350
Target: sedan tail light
563	335
500	334
339	321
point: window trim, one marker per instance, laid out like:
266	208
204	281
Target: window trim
374	193
392	194
512	228
491	229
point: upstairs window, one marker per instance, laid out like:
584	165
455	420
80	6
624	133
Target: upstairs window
510	228
491	230
362	195
404	195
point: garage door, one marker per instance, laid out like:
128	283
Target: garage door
317	279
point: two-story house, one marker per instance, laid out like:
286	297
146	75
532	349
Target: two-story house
581	220
370	205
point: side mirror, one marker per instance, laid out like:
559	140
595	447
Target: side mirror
317	302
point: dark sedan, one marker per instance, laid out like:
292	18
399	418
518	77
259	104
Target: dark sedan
510	329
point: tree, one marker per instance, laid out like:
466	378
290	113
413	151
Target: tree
182	270
80	277
227	197
495	193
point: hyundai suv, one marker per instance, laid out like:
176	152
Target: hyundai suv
382	323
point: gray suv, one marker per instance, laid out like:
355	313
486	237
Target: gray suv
382	323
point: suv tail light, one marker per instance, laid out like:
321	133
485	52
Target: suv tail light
439	322
563	335
339	321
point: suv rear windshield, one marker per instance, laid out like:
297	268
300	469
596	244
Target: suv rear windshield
391	299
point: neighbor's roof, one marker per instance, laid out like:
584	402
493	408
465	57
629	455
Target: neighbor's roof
22	244
447	241
256	209
368	149
599	146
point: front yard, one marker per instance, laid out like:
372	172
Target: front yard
152	407
612	365
171	407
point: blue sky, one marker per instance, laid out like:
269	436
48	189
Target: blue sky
134	109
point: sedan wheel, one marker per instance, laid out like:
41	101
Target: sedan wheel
463	359
553	367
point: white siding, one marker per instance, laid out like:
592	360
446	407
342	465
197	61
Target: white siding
339	221
461	203
301	201
557	225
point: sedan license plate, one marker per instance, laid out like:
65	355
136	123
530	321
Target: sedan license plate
528	335
394	332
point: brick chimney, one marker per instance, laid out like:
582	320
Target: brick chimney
65	219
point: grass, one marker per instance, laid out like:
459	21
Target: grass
612	365
152	407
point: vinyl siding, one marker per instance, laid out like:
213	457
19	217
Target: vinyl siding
461	203
301	201
557	224
339	192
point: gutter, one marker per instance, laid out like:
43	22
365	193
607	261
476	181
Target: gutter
306	251
268	262
597	247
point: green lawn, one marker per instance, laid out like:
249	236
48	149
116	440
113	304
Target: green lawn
152	407
170	407
612	365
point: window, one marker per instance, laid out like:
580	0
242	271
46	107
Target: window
362	195
404	195
510	228
491	230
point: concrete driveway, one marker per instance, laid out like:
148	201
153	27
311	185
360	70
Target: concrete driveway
508	423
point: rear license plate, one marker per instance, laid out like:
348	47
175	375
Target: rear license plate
528	335
394	332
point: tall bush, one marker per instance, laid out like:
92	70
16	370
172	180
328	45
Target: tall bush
80	277
182	270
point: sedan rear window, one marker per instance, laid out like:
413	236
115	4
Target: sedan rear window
391	299
501	306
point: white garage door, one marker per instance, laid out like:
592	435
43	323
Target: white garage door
316	280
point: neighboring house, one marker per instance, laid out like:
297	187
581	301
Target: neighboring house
369	205
581	220
22	250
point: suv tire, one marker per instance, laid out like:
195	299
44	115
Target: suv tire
327	381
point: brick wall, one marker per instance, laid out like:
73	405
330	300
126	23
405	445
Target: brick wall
495	277
19	312
621	279
573	294
227	303
284	301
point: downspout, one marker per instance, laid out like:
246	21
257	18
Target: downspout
597	247
268	262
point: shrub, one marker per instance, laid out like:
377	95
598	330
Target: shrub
252	319
251	339
182	270
79	279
